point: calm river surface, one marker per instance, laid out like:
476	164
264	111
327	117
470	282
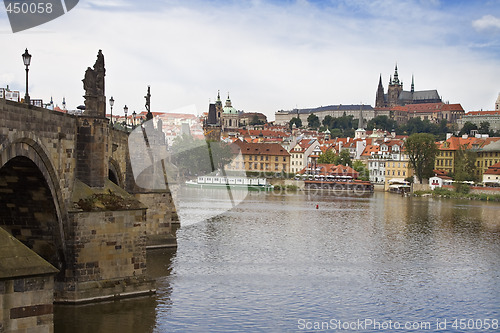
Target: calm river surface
275	263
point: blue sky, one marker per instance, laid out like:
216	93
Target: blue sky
268	55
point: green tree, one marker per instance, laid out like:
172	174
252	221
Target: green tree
467	128
344	157
360	167
194	156
465	165
484	127
328	121
383	123
295	120
335	133
256	121
421	149
313	121
328	157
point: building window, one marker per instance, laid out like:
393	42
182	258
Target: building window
250	157
261	157
276	158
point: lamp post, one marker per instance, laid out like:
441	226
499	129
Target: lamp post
125	109
111	103
27	61
133	115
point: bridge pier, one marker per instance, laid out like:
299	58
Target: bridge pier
108	257
162	219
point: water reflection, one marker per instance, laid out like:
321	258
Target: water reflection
125	316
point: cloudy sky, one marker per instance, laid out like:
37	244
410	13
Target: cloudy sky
268	54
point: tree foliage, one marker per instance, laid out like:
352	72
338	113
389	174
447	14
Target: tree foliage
196	157
341	126
383	123
313	121
344	157
328	157
465	165
484	127
467	128
421	149
360	167
256	121
295	120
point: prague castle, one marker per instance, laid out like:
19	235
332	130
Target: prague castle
397	96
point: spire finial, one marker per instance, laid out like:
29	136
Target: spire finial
396	79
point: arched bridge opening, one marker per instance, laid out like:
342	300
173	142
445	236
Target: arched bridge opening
27	209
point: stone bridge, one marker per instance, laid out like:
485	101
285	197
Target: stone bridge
67	191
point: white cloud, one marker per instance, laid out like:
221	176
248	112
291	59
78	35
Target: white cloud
268	56
486	22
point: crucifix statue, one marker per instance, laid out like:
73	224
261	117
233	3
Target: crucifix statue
149	115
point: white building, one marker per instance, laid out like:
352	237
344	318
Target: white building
300	153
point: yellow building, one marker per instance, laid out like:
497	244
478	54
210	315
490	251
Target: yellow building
487	156
261	157
397	170
487	150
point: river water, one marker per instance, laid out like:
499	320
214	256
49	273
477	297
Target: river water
300	262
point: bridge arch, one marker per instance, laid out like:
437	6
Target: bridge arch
115	174
31	203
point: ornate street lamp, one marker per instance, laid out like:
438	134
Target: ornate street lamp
111	103
125	109
27	61
133	115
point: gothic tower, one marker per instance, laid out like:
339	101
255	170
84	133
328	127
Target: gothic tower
380	100
395	88
218	107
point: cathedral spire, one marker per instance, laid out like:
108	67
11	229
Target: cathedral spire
361	123
412	84
396	79
380	100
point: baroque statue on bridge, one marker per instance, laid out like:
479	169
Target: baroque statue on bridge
93	84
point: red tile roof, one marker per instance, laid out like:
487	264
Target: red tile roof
369	149
493	169
261	149
483	113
